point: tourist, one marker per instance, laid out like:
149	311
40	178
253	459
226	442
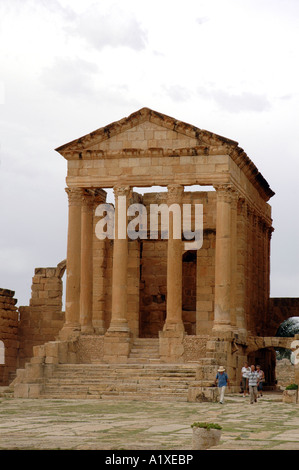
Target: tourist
253	380
245	371
223	382
261	381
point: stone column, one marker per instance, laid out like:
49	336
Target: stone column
174	265
171	338
248	267
117	339
120	261
86	262
222	314
242	243
254	293
234	259
73	265
99	271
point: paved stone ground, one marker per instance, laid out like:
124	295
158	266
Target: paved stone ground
134	425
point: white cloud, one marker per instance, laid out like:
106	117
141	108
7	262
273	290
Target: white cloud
70	76
236	103
113	27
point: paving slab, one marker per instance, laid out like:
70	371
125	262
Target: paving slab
50	424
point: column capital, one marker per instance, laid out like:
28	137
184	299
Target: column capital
226	192
120	190
74	196
223	187
175	193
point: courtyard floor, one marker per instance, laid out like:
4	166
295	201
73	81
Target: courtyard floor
31	424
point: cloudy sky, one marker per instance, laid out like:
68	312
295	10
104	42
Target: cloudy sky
69	67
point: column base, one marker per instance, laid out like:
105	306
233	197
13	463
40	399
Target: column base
99	327
87	330
222	327
119	326
176	328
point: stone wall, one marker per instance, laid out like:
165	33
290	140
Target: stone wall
195	347
89	348
42	320
285	373
8	335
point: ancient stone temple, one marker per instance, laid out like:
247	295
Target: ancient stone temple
154	302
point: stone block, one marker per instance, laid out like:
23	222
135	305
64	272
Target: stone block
34	390
21	390
51	360
33	372
198	393
52	349
290	396
63	351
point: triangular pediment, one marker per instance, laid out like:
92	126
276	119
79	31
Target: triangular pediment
145	129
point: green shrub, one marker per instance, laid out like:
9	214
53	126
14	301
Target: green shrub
206	425
292	387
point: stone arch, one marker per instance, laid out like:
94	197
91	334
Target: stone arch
262	350
280	310
266	358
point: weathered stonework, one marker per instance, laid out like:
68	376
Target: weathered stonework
208	306
8	335
42	320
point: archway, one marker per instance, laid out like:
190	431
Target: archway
266	358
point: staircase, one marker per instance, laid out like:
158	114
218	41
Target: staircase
144	351
143	377
151	382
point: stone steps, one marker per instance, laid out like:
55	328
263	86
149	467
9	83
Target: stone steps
122	381
144	350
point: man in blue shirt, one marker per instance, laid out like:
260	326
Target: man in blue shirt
223	382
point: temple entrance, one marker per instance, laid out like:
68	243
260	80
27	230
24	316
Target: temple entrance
153	279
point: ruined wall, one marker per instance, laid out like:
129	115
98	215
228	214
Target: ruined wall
8	335
285	373
195	347
42	320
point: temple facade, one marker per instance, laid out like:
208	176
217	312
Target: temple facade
207	303
112	287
